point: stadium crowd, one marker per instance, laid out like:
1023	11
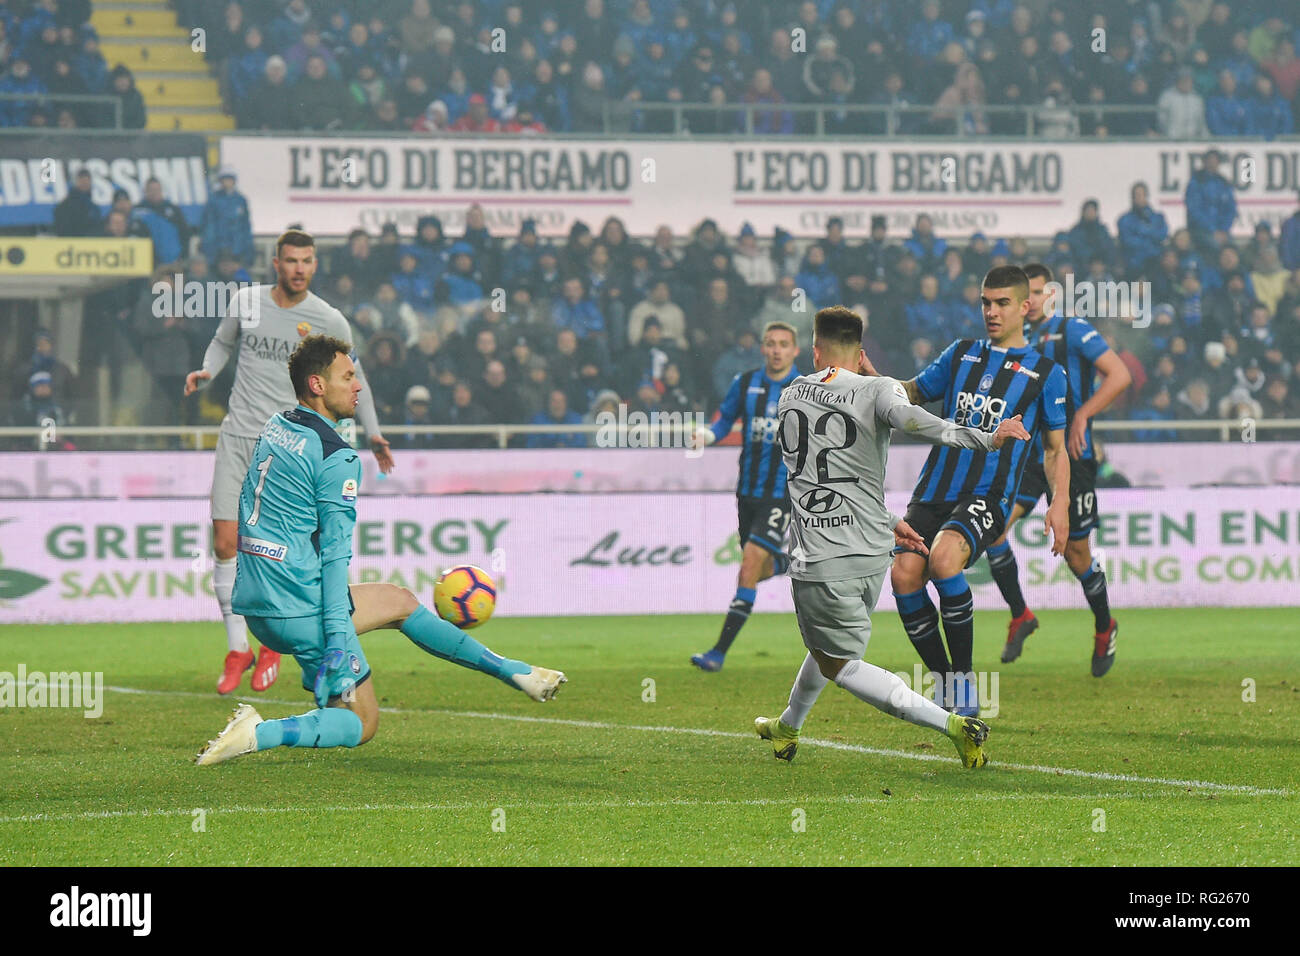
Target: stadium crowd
50	47
1192	67
480	329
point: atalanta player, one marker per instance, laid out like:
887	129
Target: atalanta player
1095	377
963	497
762	502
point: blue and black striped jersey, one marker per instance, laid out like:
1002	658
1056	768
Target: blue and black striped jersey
980	385
1074	345
753	397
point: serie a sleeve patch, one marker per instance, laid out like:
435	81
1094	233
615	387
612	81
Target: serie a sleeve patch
349	492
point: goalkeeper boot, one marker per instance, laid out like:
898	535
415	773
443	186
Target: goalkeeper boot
968	735
785	739
267	670
1019	629
710	661
232	672
239	737
539	683
1103	650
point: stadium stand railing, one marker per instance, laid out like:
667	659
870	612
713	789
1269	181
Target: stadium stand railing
204	436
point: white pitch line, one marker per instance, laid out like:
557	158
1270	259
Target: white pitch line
570	805
803	741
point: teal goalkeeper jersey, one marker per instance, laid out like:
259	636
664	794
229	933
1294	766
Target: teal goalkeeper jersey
297	509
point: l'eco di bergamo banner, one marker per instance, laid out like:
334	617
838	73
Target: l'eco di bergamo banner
1033	189
623	554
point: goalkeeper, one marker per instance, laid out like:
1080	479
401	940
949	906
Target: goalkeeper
297	510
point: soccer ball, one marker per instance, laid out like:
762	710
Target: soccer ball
465	596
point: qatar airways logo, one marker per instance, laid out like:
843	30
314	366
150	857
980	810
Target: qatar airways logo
979	411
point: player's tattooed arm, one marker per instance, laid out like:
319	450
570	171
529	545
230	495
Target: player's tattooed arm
1056	465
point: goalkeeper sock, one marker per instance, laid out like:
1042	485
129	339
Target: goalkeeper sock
921	621
888	692
327	727
1094	589
741	605
957	605
807	686
1002	562
223	582
444	639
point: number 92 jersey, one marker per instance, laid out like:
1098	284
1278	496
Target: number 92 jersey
835	442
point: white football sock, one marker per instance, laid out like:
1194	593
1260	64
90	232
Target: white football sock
807	686
223	582
887	691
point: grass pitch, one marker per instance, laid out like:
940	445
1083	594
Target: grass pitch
1161	762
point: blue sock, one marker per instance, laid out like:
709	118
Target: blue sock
444	639
921	622
1094	589
957	605
1002	562
741	606
327	727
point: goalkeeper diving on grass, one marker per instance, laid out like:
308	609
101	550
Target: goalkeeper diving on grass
297	511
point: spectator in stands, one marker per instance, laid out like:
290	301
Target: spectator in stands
498	396
1211	203
825	63
418	410
271	105
761	92
1269	279
1142	231
576	311
19	81
1216	372
589	99
357	260
924	245
309	45
1055	117
521	258
546	98
433	119
1267	114
1240	62
164	349
900	100
557	413
1089	239
1278	402
385	358
477	119
225	226
960	107
76	214
464	286
817	280
1225	111
464	410
133	111
165	223
319	98
417	29
751	262
927	316
1284	68
928	36
502	97
1158	407
246	66
412	284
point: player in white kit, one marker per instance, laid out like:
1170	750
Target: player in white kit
835	429
265	323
